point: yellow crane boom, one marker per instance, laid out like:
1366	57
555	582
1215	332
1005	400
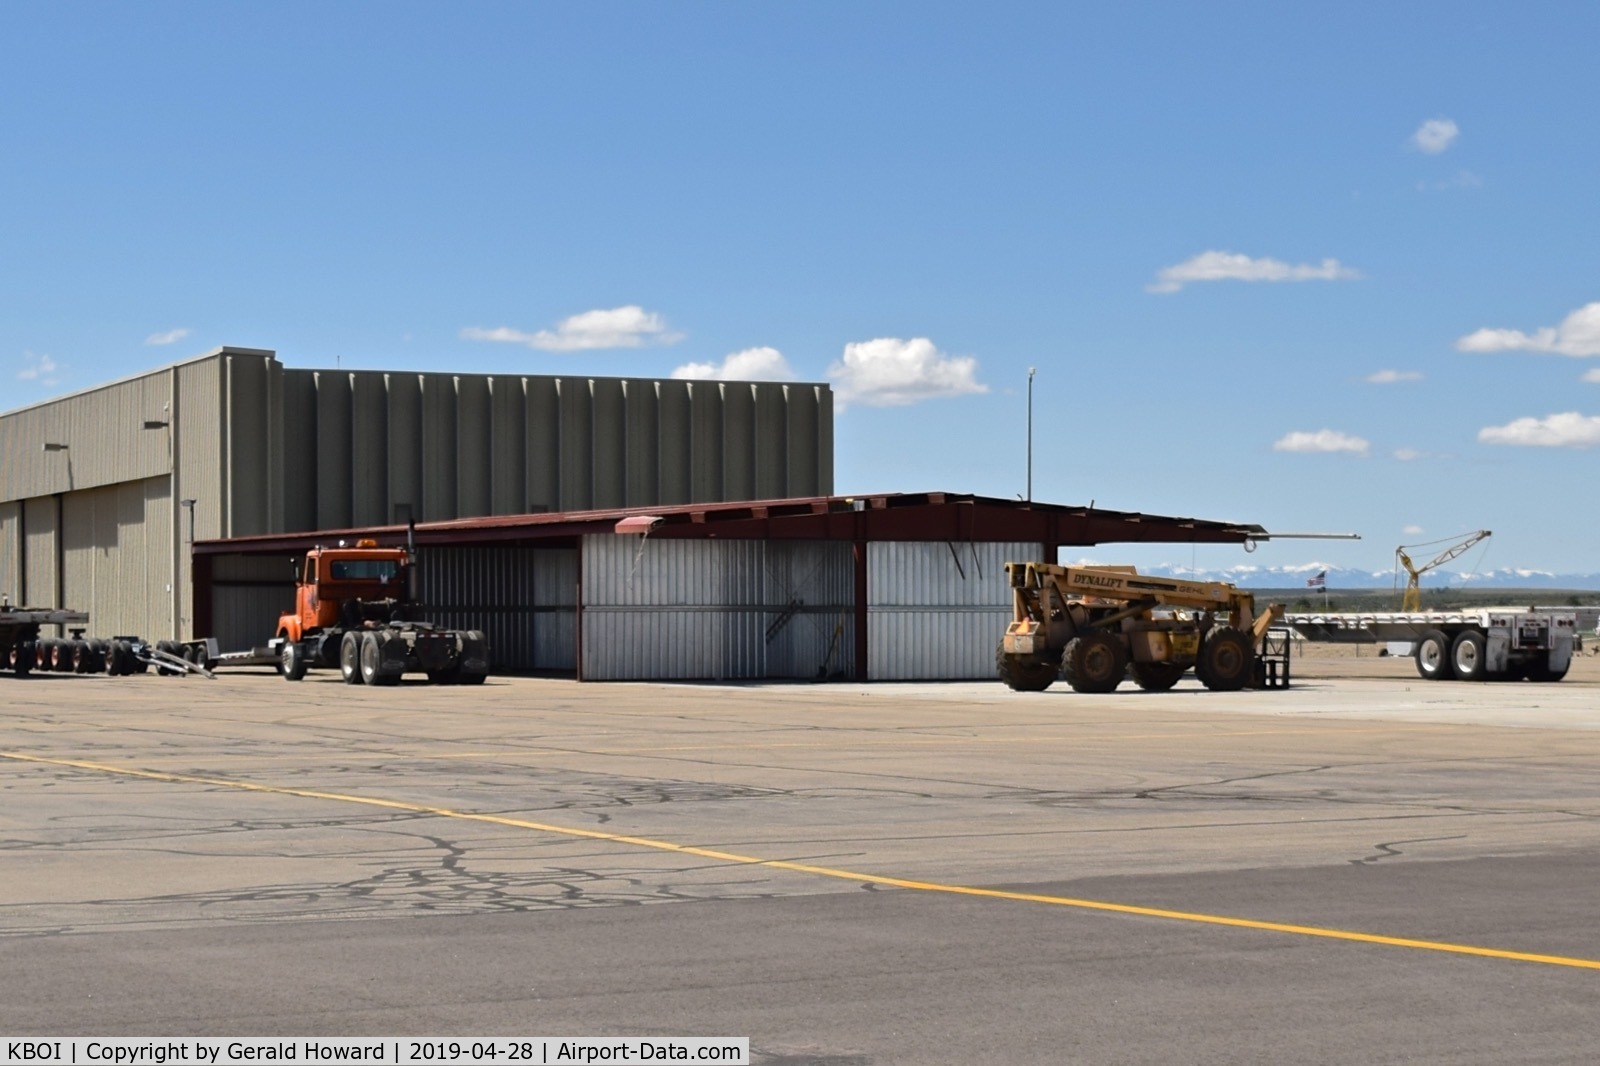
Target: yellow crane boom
1412	600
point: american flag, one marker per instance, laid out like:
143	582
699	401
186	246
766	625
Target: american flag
1318	582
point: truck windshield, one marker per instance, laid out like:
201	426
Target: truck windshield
363	569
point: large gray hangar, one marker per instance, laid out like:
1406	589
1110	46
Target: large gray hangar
610	528
102	492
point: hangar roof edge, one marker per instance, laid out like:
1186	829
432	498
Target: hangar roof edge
931	516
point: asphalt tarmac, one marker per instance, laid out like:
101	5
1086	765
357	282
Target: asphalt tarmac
1365	867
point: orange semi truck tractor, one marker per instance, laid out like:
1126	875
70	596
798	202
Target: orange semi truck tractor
356	608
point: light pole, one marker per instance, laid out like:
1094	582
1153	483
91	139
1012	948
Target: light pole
1030	434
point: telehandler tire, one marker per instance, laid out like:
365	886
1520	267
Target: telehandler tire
1227	661
1024	675
1094	663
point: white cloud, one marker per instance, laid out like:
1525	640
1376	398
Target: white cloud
1566	430
1413	531
890	372
1390	377
40	368
171	336
1578	335
1411	455
1591	376
1435	135
620	327
752	364
1323	440
1231	266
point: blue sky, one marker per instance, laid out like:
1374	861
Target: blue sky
1321	268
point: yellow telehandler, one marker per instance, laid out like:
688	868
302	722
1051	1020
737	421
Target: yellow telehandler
1091	624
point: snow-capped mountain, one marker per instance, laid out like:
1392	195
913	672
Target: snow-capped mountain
1339	577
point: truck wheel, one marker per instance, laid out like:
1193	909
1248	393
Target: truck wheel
1466	656
1157	677
1226	660
23	657
372	662
474	647
292	661
350	658
1094	662
1024	675
1433	656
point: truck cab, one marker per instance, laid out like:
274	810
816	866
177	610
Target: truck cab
346	586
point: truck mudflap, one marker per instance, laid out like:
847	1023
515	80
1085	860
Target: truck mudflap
435	649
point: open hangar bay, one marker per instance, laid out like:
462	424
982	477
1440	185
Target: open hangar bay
1361	868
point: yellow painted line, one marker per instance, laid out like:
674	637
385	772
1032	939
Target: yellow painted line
820	871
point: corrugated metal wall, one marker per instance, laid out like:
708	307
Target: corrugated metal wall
109	566
41	551
11	553
464	445
715	609
524	600
937	610
248	593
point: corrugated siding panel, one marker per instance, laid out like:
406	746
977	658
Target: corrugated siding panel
716	609
522	598
810	624
936	610
115	562
200	444
41	518
249	592
248	432
11	553
244	616
555	600
672	609
104	434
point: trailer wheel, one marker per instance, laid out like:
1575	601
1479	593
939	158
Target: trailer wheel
292	661
1024	675
23	657
1226	660
1466	656
1433	656
1157	677
1094	662
350	658
120	664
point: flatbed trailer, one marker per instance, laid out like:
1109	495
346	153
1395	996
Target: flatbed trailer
1476	644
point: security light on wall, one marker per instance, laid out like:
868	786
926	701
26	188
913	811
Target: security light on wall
51	446
152	423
